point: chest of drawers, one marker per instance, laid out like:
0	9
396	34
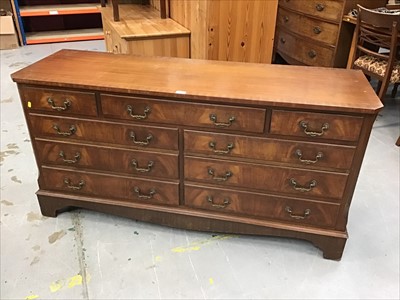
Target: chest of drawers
203	145
312	32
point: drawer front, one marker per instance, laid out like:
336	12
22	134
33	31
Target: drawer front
305	52
311	28
310	155
302	183
316	125
67	129
109	187
134	162
263	206
63	102
180	113
326	9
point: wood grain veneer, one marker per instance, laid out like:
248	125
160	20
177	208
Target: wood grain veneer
203	145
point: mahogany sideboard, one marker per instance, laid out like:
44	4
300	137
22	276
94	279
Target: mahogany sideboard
204	145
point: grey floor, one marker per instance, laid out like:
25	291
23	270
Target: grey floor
88	255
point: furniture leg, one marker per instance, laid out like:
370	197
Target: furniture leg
394	90
115	10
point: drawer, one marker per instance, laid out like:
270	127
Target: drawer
301	154
324	9
305	52
181	113
134	162
316	125
311	28
67	129
63	102
109	187
291	181
298	211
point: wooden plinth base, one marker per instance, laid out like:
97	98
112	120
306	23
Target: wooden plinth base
330	242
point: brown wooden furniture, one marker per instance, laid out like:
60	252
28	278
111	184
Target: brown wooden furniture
228	30
197	144
312	32
375	31
115	7
141	31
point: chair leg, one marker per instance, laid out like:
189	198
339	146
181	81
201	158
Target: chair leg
382	88
394	90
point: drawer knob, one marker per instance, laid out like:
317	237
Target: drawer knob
223	205
304	126
213	144
150	195
213	118
317	30
308	161
320	7
285	19
150	164
141	143
71	186
312	54
306	213
312	184
77	157
71	130
219	178
65	106
146	111
283	40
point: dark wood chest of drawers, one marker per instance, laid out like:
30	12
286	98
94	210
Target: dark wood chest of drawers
202	145
312	32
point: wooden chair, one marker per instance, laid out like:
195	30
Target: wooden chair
374	31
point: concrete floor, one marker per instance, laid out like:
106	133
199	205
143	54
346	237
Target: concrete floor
88	255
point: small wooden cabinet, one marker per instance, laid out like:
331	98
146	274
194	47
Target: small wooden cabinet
312	32
141	31
197	144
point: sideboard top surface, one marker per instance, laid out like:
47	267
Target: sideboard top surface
213	81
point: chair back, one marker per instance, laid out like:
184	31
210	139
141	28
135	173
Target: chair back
376	30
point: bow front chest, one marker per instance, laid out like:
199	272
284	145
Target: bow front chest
203	145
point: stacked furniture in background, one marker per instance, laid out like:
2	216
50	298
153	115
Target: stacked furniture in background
312	32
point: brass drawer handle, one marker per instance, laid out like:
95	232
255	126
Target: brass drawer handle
320	7
312	54
66	104
317	30
283	41
308	161
141	143
220	178
306	213
293	182
69	185
212	145
77	157
152	192
71	130
150	164
304	125
213	118
146	111
223	205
